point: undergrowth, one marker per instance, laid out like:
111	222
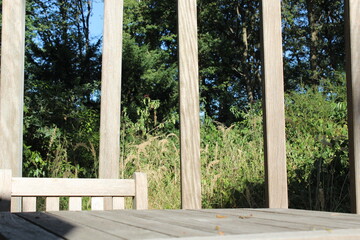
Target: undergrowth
231	157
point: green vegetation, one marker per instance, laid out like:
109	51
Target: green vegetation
62	99
232	157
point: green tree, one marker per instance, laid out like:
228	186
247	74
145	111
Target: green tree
313	40
229	40
62	79
149	57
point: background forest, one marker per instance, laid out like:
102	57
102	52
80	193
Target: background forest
62	99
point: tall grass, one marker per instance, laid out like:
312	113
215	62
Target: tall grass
231	157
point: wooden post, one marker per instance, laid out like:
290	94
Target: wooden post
189	106
111	92
141	191
273	105
12	88
5	190
352	22
29	204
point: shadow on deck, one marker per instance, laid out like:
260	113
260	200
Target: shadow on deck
188	224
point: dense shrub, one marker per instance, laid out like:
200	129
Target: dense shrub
232	157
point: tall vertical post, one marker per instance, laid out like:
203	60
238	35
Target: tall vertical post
12	87
352	22
273	105
111	91
189	105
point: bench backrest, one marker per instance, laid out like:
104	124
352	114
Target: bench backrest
100	190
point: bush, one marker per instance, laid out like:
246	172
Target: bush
231	157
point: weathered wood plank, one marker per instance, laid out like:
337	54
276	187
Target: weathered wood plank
209	223
5	190
117	229
352	234
52	204
14	227
72	187
67	228
12	87
127	217
75	203
352	12
289	219
109	152
273	105
334	216
141	191
29	204
111	90
189	105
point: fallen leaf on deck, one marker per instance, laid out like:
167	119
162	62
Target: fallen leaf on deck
335	214
221	233
244	217
221	216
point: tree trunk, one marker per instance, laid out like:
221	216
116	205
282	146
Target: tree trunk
314	32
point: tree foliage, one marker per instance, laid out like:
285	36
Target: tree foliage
63	92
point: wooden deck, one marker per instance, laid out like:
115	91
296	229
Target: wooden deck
188	224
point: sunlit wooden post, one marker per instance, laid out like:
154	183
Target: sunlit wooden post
12	87
352	21
189	105
111	91
273	105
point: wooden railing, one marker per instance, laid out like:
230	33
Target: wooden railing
12	82
75	188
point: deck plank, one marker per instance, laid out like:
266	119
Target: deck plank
14	227
64	227
127	217
343	217
114	228
206	224
303	235
289	218
212	224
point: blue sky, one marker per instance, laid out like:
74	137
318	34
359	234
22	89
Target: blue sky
97	19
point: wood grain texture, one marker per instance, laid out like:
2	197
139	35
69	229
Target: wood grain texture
14	227
196	220
141	191
75	187
75	203
293	219
352	13
118	230
145	219
273	105
52	204
68	229
12	87
5	190
198	224
353	234
111	90
189	105
29	204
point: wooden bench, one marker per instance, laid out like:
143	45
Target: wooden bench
74	188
